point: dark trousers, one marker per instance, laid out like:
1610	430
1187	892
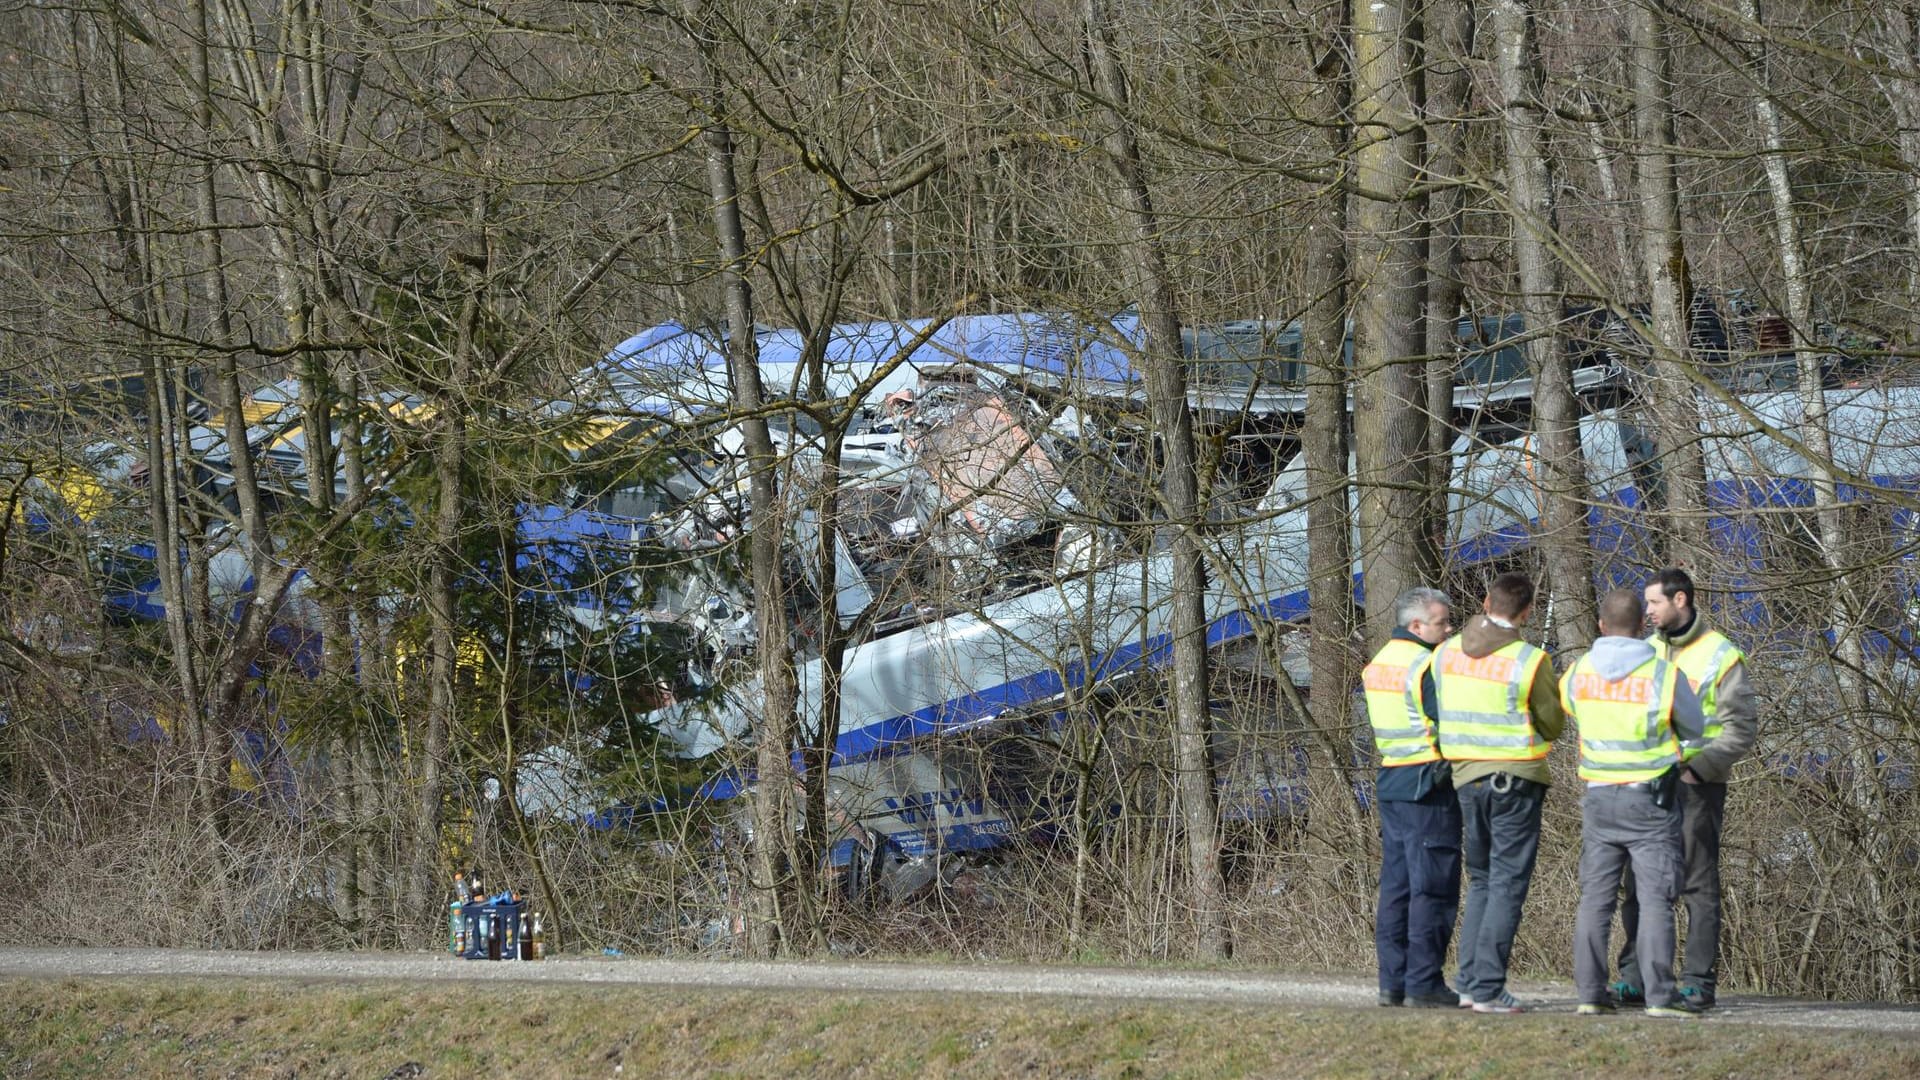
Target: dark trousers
1419	892
1703	809
1501	838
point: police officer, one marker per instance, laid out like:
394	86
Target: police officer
1716	669
1419	817
1499	712
1633	709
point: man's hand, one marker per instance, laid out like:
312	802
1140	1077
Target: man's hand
1687	776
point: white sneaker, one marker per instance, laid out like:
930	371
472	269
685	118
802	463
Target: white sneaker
1505	1003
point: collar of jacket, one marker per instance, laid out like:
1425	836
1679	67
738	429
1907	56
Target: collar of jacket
1687	635
1401	633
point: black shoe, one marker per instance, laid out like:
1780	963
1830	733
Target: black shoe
1439	999
1625	993
1389	999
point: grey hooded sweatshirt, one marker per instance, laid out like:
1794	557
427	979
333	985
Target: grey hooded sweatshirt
1615	658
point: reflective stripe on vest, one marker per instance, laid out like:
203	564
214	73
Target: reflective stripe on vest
1483	711
1626	724
1705	660
1401	731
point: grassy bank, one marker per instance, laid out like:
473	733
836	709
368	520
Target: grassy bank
148	1027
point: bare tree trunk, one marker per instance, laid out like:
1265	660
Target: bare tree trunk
1450	25
373	669
1897	30
1626	267
775	733
246	488
1390	392
164	438
1323	435
682	303
1556	412
1671	394
1817	433
1815	430
1180	492
453	400
449	519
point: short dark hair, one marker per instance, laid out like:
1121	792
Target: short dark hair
1622	611
1509	595
1673	581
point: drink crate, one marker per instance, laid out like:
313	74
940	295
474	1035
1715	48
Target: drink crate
479	922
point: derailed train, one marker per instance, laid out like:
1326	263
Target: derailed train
979	560
976	551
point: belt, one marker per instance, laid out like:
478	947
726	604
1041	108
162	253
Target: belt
1640	784
1503	782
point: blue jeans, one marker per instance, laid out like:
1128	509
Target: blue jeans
1502	838
1419	892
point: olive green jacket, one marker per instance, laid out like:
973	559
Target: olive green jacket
1734	709
1481	637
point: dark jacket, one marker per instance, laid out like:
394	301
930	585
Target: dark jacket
1734	709
1482	637
1428	780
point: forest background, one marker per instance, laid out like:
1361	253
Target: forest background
432	215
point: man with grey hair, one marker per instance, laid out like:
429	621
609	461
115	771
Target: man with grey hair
1419	816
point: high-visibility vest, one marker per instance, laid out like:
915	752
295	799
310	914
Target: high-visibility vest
1483	702
1401	730
1706	660
1626	725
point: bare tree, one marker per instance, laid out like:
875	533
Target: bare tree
1896	43
1179	493
1324	447
1450	26
1556	412
1388	273
776	735
1671	398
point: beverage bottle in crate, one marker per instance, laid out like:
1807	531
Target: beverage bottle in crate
456	925
526	941
493	935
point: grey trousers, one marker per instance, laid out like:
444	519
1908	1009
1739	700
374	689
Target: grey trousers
1500	839
1703	808
1620	826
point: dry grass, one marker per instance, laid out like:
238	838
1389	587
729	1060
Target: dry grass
212	1028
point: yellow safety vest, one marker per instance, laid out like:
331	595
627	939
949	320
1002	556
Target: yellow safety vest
1483	703
1706	660
1401	729
1626	725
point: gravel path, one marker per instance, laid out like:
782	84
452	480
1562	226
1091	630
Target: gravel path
1230	987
